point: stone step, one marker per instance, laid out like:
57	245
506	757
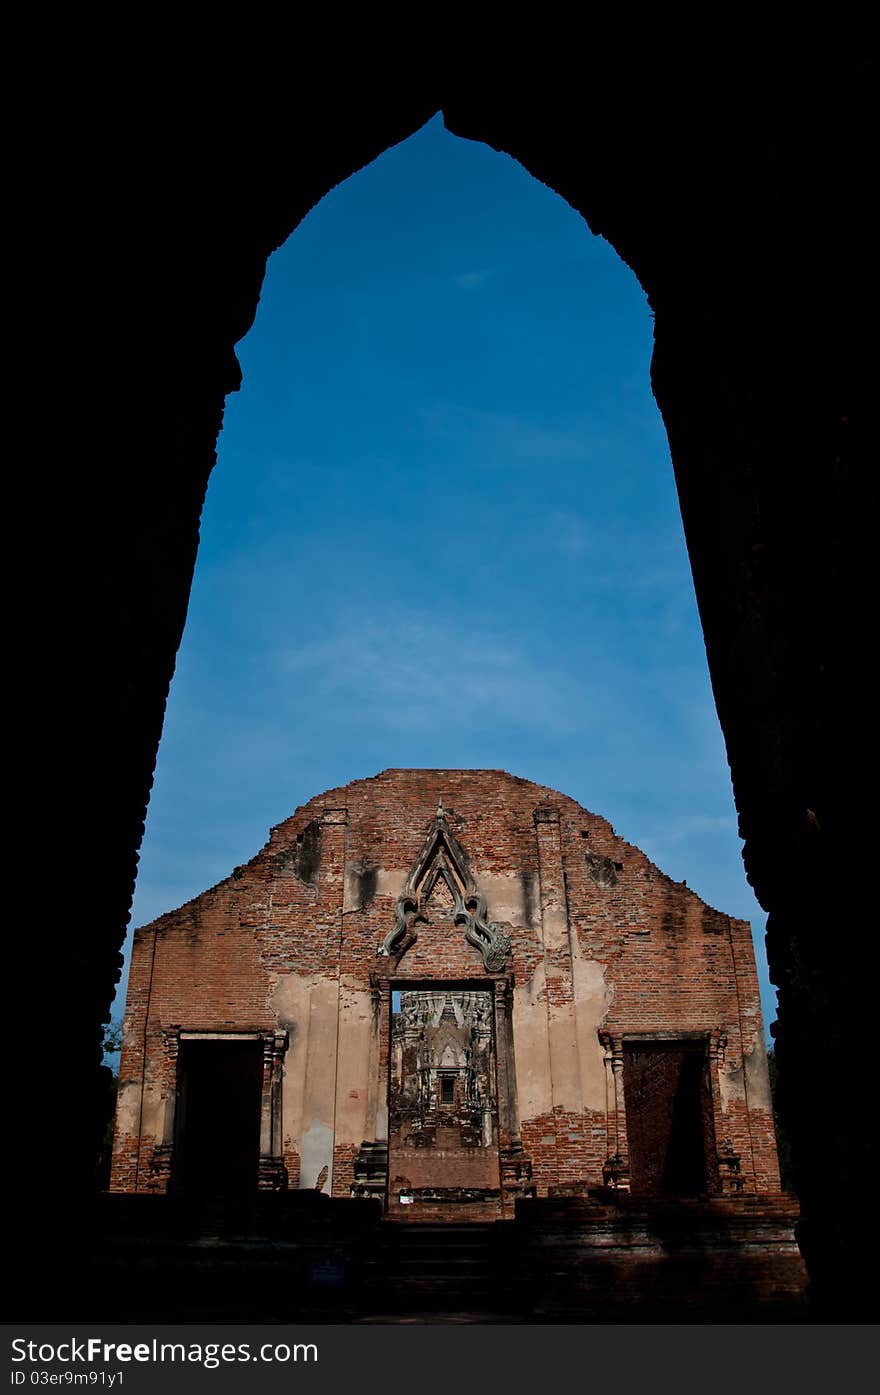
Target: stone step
427	1254
416	1231
451	1273
439	1297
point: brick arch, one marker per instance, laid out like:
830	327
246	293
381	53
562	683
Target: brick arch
744	220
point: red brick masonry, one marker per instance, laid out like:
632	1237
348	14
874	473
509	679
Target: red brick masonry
610	977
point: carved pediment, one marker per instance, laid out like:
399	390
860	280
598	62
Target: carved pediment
441	892
441	878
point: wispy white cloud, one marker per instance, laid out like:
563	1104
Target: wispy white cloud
414	671
564	532
472	280
682	830
502	438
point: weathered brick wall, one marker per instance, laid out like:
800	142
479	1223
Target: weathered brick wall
604	949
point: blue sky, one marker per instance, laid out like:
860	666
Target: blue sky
443	531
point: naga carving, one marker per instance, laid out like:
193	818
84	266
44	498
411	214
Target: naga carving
485	935
403	933
442	861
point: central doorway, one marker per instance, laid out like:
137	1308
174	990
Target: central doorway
443	1141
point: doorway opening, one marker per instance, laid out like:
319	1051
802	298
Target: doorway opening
669	1121
443	1140
217	1134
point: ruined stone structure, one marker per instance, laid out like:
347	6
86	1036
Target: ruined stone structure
739	188
448	990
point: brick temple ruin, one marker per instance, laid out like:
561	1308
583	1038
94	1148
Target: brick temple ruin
451	991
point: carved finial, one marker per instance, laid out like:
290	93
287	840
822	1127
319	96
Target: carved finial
440	813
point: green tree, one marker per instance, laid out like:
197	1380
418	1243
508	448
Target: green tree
113	1041
108	1087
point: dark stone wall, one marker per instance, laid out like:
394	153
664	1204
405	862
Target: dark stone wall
738	187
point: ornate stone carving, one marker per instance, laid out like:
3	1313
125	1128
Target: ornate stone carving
403	935
443	1075
490	939
441	874
272	1172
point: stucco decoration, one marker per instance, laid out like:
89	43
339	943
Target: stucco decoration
441	872
488	937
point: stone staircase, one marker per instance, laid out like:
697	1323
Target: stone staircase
302	1257
440	1270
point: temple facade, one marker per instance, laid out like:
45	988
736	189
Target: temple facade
447	990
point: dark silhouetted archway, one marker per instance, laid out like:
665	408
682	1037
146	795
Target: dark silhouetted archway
738	194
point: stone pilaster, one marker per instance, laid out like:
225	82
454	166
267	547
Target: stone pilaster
566	1088
371	1162
319	1098
508	1114
161	1163
272	1172
615	1171
730	1177
515	1166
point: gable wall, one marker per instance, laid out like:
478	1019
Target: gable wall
604	948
